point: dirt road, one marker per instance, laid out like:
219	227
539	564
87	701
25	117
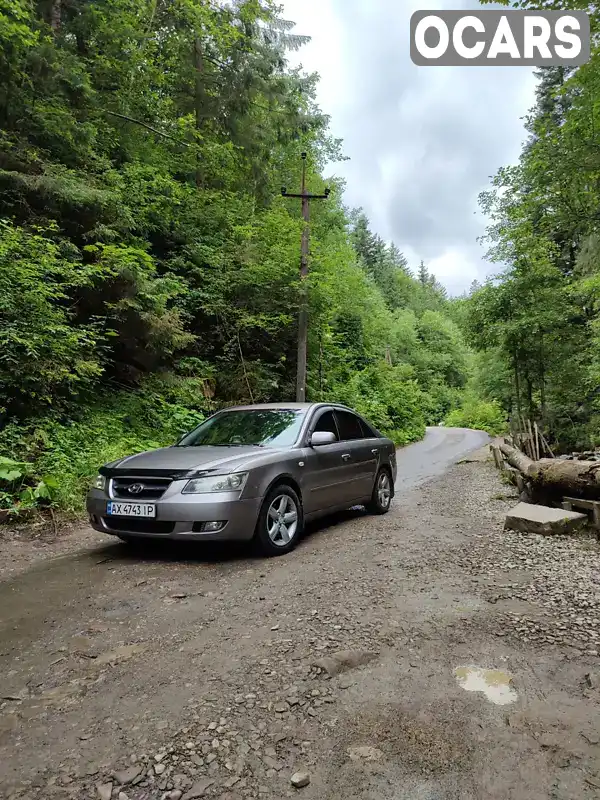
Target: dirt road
172	672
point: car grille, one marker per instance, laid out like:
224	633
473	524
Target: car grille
129	525
153	488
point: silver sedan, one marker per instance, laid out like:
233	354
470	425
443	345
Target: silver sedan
248	473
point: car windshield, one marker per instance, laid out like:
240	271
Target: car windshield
260	427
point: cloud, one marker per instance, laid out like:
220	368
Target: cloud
422	141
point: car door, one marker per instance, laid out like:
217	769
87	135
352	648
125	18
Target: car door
363	456
327	472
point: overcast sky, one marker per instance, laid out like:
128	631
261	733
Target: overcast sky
422	141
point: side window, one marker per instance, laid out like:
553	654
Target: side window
349	426
326	422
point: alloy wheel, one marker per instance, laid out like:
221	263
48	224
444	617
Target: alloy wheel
384	490
282	520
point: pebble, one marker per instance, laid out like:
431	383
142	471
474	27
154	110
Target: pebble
159	768
593	680
125	776
300	779
198	789
365	753
104	790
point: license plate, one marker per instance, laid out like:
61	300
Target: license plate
131	510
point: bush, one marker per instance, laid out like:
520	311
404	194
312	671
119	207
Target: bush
389	398
479	415
65	456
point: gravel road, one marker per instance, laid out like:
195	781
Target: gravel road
343	670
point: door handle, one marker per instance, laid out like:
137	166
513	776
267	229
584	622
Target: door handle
375	451
346	457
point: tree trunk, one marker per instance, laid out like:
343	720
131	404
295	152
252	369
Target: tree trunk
516	458
517	386
555	478
542	379
198	102
55	16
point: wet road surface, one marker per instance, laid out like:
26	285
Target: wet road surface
111	653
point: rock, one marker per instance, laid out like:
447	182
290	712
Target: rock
104	790
159	768
544	520
123	796
300	779
593	680
365	753
125	776
344	660
198	789
281	708
272	763
176	794
182	782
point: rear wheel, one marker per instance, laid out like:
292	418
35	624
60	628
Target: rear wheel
280	522
381	499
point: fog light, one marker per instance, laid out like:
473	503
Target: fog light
212	527
208	527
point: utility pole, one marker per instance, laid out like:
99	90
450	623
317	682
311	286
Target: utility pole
303	313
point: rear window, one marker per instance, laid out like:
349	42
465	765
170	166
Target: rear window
368	431
349	426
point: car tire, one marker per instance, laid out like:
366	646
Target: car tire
273	536
383	491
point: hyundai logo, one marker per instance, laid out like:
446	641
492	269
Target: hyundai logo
136	488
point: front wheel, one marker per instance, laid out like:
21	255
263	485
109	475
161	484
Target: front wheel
280	522
381	499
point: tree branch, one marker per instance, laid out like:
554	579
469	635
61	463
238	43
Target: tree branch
148	127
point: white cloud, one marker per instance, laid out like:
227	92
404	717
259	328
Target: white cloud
422	141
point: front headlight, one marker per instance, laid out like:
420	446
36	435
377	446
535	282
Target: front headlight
233	482
99	482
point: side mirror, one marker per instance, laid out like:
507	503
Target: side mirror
320	438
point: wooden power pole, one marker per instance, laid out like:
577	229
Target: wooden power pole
303	313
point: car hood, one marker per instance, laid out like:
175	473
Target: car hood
176	461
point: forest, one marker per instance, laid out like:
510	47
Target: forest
149	265
535	325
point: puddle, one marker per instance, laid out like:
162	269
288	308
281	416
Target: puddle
494	683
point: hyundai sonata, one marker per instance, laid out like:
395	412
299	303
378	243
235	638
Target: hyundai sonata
248	473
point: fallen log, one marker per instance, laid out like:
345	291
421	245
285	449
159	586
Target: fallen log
516	458
555	477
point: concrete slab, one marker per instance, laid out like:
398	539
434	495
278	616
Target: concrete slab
528	518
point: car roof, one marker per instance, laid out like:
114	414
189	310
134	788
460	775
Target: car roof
283	406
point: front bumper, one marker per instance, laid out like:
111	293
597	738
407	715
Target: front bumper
179	517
